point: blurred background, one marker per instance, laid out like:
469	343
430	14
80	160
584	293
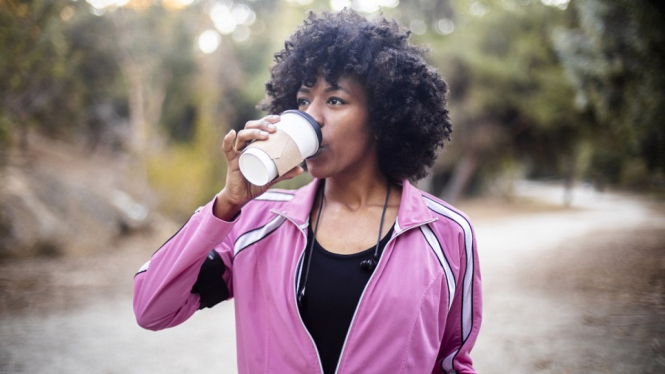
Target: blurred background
111	119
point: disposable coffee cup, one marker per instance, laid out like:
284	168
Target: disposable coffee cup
298	137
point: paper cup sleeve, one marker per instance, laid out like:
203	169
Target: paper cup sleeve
283	151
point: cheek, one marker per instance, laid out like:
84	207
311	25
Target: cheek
353	128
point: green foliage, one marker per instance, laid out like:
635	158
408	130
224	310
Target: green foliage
32	60
535	88
180	177
510	100
186	175
95	104
614	57
178	63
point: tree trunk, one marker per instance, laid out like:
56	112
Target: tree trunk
462	175
569	181
137	120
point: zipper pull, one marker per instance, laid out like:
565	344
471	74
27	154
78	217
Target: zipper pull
302	302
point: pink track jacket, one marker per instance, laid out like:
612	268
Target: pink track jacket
419	313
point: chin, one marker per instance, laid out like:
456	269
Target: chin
314	171
317	174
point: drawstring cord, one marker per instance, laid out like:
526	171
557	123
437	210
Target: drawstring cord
301	294
369	265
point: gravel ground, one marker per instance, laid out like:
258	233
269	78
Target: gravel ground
566	290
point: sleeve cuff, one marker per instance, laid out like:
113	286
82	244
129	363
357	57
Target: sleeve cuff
213	228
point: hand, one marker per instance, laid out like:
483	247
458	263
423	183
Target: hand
238	191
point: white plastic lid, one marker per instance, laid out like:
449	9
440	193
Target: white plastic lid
303	129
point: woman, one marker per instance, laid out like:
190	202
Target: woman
358	272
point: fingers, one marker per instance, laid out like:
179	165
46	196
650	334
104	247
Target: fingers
227	145
266	124
256	130
246	136
242	138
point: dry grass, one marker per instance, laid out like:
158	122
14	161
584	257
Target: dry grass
493	208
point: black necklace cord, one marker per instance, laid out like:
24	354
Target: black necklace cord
370	265
301	295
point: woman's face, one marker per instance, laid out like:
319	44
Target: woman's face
341	111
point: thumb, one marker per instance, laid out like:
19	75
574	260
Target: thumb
227	146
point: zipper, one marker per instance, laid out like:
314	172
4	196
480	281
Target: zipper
295	290
348	331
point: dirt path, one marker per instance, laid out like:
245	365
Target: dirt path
578	290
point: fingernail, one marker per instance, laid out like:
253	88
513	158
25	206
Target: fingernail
271	126
263	133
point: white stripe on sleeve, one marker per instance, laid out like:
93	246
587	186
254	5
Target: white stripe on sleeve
436	247
275	196
255	235
467	320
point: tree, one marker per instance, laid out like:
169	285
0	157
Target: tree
614	56
29	36
510	101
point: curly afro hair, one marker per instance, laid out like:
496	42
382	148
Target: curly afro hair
406	96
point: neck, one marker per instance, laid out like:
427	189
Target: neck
357	191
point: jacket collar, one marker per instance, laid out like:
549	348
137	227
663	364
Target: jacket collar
412	208
300	206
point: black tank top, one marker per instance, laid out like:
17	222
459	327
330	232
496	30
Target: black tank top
333	290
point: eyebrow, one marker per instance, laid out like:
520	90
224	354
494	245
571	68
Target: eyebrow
327	89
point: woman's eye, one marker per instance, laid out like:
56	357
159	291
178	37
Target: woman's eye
335	101
302	102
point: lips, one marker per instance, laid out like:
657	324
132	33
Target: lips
318	152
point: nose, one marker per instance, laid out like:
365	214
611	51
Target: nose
315	110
